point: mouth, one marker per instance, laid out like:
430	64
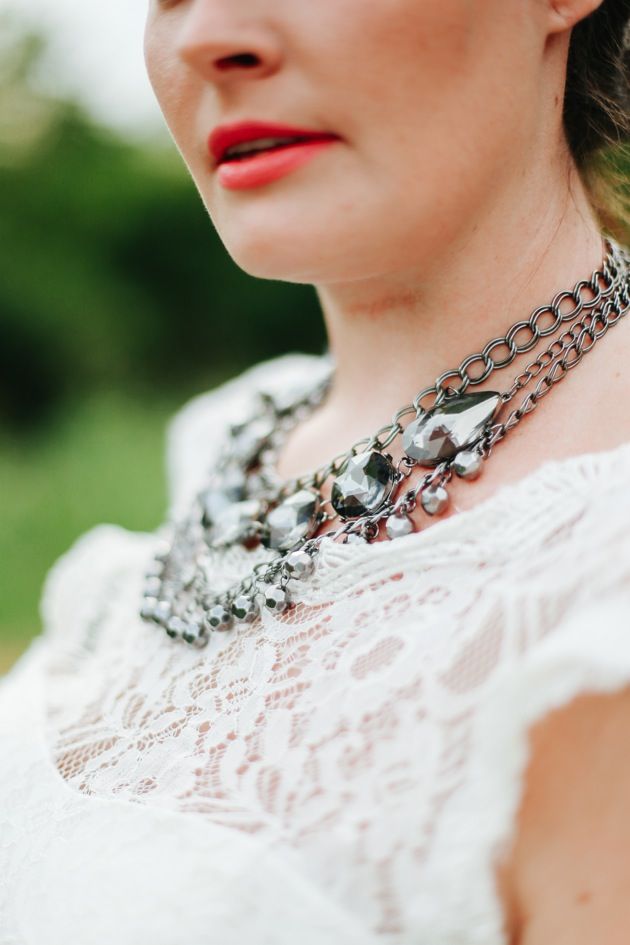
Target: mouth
252	154
249	149
244	141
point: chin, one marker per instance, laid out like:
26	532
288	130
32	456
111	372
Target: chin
286	251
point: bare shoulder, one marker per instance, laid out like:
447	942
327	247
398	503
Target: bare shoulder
568	878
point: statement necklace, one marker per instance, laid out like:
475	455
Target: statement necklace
451	432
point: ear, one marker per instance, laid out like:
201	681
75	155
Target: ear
564	14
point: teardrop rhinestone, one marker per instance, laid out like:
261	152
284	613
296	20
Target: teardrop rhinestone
441	433
292	521
363	485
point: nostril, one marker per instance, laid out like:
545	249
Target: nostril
240	59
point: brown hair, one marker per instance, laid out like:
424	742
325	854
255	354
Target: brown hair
597	111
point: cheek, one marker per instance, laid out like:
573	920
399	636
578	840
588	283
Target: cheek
176	89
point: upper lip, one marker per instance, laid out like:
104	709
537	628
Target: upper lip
225	136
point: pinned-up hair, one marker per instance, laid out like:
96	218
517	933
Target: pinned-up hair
597	111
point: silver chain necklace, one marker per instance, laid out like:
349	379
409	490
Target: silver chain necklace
452	432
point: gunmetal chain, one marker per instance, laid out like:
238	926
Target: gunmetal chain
597	292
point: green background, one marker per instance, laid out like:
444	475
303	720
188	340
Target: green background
118	302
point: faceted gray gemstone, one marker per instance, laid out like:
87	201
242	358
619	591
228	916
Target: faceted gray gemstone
467	464
434	499
397	526
299	564
220	618
216	500
236	522
275	597
248	439
291	521
442	432
363	485
244	609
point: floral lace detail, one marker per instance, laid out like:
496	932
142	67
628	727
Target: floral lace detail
345	735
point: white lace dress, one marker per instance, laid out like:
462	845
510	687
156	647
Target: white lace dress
346	773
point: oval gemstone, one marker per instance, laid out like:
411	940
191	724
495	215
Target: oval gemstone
236	522
363	485
439	434
291	521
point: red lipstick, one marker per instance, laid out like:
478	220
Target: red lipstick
253	153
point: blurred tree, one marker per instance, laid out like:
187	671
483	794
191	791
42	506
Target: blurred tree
111	274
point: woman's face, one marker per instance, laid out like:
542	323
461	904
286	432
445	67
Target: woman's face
435	103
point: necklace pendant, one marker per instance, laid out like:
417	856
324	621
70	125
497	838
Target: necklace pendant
364	484
444	431
237	523
292	521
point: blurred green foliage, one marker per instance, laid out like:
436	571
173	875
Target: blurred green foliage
117	302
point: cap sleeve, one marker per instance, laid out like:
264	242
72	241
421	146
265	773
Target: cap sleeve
582	647
82	583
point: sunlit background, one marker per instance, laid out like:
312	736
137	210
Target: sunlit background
117	299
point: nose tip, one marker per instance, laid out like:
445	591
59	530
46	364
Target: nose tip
223	59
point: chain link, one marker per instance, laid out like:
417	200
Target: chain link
585	296
572	348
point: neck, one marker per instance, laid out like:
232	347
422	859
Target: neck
396	333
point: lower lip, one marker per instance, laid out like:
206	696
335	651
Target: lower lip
268	166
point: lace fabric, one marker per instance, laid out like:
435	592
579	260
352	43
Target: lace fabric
350	768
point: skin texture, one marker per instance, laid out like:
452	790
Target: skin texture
449	209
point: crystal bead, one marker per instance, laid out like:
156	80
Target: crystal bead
442	432
155	569
163	611
193	633
364	483
152	587
244	609
397	526
291	521
467	464
236	523
219	617
175	627
354	539
434	499
148	608
275	598
300	564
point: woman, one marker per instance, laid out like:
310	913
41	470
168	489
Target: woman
417	730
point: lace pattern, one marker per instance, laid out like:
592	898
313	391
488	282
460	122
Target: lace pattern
356	737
